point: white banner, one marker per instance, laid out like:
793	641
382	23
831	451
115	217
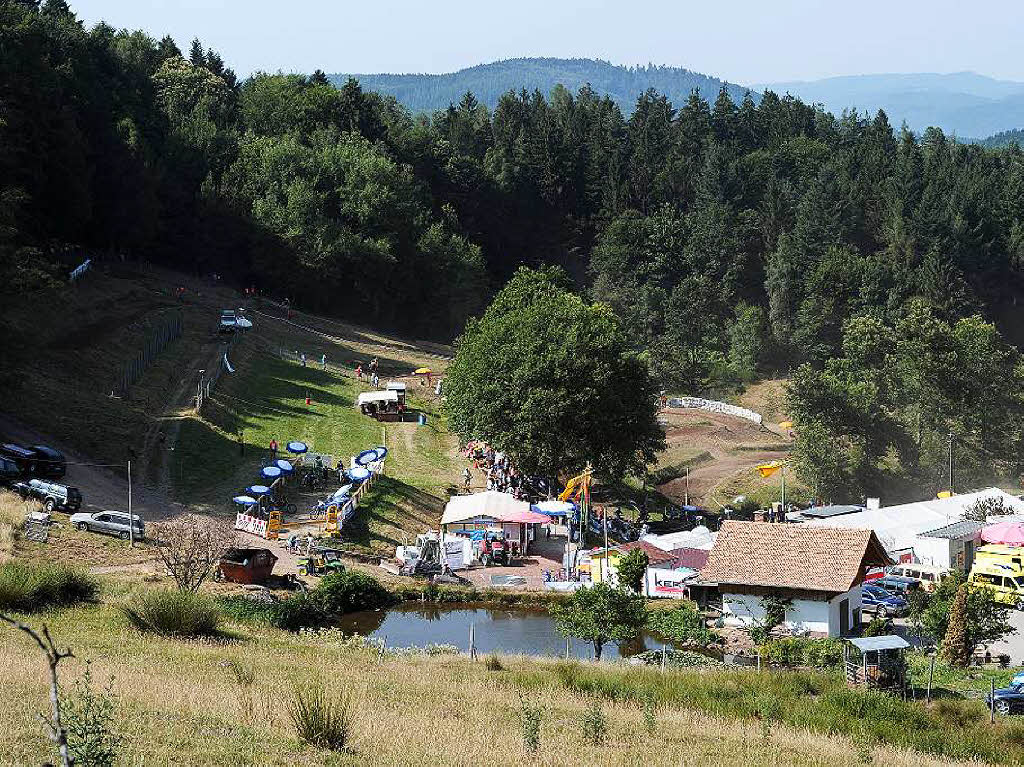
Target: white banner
713	406
249	524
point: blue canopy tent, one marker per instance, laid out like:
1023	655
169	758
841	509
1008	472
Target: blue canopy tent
554	508
245	500
257	490
297	447
367	456
270	472
284	466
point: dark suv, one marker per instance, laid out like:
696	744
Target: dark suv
50	463
24	457
9	471
51	494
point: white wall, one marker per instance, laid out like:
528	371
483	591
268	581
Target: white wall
936	551
813	615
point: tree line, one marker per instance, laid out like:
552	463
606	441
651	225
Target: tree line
732	240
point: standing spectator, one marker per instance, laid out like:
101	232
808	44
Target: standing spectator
375	380
466	477
359	372
303	358
323	361
273	448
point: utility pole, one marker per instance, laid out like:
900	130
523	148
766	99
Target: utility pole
131	520
604	560
783	490
950	462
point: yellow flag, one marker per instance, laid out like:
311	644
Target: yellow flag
767	469
574	485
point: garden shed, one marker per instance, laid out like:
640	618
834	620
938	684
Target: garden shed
882	664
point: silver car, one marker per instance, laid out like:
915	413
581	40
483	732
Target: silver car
110	522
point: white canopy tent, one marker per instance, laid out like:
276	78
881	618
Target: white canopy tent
481	511
374	397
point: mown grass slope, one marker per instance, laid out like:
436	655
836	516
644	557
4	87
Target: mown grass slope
177	702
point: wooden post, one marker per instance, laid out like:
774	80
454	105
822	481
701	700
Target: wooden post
931	675
992	701
472	641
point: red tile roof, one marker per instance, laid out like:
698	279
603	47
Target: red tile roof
694	559
792	556
654	554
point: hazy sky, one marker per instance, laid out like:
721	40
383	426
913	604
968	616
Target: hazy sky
744	41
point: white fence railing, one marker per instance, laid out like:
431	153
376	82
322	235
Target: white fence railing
714	406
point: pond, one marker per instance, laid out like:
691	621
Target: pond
517	631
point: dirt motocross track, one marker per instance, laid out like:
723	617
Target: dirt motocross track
725	447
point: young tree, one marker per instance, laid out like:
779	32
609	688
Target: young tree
549	379
632	569
191	546
984	619
956	650
600	614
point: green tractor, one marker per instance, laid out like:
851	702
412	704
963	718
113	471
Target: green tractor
321	562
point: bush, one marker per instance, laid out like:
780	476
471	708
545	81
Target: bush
594	725
682	625
89	718
801	651
27	586
351	591
493	663
170	612
530	718
320	720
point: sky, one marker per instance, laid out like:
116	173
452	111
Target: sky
743	41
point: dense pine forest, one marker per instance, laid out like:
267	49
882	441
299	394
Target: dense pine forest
734	240
489	82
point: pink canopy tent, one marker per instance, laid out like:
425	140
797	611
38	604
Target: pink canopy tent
1008	533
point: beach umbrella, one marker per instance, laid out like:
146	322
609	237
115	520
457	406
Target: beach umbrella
242	322
382	452
257	489
245	500
1008	533
270	472
284	466
341	492
358	474
367	456
297	447
422	372
554	508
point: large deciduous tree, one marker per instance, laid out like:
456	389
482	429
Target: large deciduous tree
600	614
549	379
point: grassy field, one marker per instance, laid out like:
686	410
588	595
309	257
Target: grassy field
177	702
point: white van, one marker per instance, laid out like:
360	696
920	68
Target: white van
928	575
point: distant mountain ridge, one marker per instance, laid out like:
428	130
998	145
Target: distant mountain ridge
488	82
965	103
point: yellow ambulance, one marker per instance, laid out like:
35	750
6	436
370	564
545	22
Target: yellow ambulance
1001	569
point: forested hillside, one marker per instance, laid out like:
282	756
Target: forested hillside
489	82
1004	138
732	239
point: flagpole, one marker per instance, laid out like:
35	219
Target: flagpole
783	490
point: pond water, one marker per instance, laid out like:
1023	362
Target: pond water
501	630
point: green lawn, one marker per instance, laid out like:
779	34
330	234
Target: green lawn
265	399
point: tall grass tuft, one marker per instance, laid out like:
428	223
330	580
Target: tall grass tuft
322	720
12	521
170	612
28	586
244	674
594	724
531	716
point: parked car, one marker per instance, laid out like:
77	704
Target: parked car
109	522
228	321
897	584
928	575
883	603
52	495
50	463
9	471
1007	699
23	457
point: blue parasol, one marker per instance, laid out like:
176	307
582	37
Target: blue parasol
382	452
284	466
270	472
257	489
297	447
367	456
245	500
358	474
342	492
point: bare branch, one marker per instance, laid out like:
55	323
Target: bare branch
191	546
55	727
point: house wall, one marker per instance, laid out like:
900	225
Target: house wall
810	613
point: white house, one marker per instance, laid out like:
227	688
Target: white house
933	532
819	571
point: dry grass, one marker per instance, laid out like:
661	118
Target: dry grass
13	511
179	703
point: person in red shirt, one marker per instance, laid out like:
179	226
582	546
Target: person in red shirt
273	448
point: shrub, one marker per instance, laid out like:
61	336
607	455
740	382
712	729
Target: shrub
493	663
594	725
878	627
321	720
173	613
683	625
351	591
27	586
297	612
802	651
530	718
89	717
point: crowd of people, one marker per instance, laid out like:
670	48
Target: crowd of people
499	473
